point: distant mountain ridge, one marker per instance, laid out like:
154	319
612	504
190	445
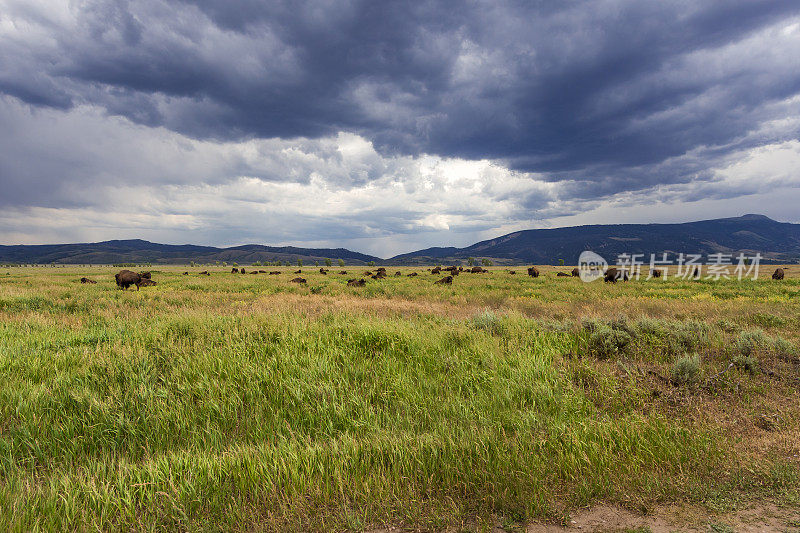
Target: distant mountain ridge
749	234
777	242
139	251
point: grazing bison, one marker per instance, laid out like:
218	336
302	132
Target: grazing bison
613	274
381	269
234	270
436	270
126	278
778	274
262	271
274	272
356	282
447	280
512	272
144	282
298	271
204	273
563	275
253	272
185	273
322	271
342	272
145	275
412	274
398	273
367	273
575	272
533	272
298	280
476	270
87	280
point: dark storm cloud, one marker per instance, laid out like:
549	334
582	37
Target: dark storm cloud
207	104
586	90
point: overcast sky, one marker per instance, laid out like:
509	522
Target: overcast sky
386	127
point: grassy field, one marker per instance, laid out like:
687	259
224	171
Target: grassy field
245	402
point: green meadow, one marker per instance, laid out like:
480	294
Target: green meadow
246	402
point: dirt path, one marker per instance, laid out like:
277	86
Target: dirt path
752	519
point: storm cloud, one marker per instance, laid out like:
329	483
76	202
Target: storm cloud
451	120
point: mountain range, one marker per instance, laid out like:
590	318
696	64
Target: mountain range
777	242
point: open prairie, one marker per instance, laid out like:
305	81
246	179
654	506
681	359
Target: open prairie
247	402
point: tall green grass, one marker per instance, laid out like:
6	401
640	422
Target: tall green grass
188	406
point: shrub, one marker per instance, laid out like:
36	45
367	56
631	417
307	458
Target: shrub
752	342
606	342
686	370
782	348
651	326
621	323
687	336
590	324
746	362
727	326
487	321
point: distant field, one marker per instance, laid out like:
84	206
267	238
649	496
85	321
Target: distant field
245	402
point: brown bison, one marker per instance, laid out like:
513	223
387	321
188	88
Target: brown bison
253	272
342	272
145	275
204	273
126	278
655	273
563	275
533	272
185	273
778	274
242	271
613	274
146	283
436	270
367	273
274	272
447	280
298	271
322	271
298	280
412	275
575	272
234	270
356	282
87	280
512	272
381	269
398	273
477	270
262	271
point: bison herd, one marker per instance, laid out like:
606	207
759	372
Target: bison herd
127	278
